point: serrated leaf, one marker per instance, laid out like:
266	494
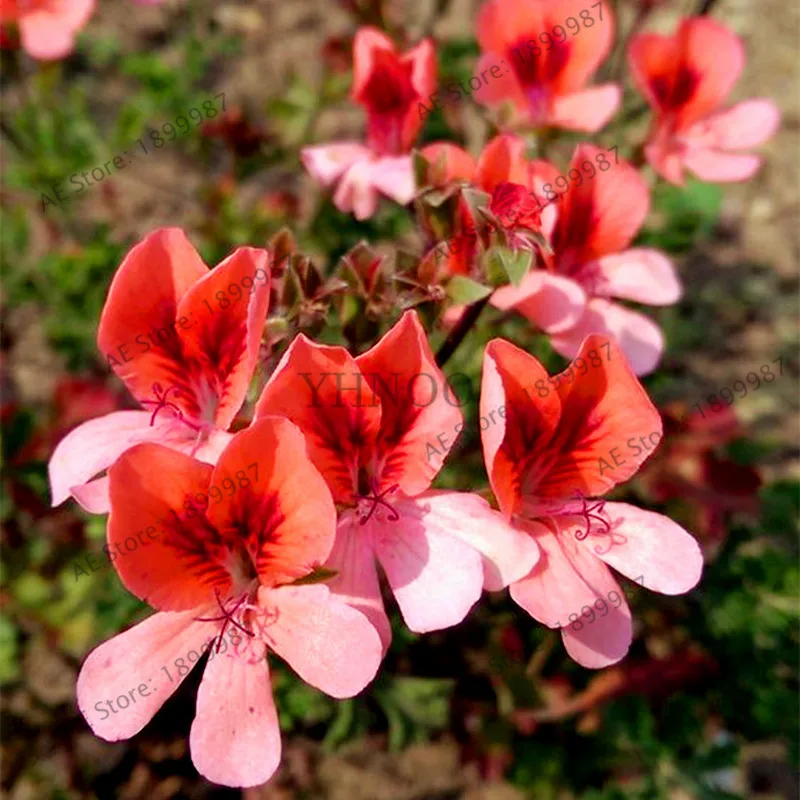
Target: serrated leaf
465	291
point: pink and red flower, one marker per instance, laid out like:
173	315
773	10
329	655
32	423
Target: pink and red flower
231	565
686	78
548	88
389	86
47	27
185	341
589	230
564	443
378	428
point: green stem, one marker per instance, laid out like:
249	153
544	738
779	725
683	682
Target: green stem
456	336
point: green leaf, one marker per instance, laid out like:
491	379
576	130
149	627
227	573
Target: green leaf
504	265
317	575
465	291
517	263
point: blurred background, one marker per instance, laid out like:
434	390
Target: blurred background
706	703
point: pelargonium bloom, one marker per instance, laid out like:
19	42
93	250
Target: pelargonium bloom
548	88
686	78
501	160
225	564
389	85
378	428
47	27
184	340
589	231
564	443
508	177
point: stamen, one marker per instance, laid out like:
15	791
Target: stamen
377	499
228	617
162	402
590	513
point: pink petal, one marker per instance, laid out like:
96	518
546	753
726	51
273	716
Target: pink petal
93	496
493	91
46	37
328	162
718	167
639	337
648	545
356	193
394	177
235	738
435	578
95	445
49	33
747	124
131	661
640	274
551	302
328	643
587	110
664	156
567	578
507	553
357	584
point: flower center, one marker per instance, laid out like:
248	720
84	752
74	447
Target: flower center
228	616
162	401
591	513
368	504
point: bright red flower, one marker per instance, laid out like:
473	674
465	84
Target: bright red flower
503	172
589	231
389	85
547	88
502	160
565	442
378	427
48	27
686	78
185	341
224	566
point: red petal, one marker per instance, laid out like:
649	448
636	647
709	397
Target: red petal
163	561
601	215
448	163
226	310
280	508
143	301
418	408
321	389
524	427
503	159
604	413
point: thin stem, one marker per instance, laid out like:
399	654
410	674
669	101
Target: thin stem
456	336
12	137
705	6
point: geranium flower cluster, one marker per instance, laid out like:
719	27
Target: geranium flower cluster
341	449
343	517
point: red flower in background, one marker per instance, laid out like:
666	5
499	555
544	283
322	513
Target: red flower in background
688	468
686	78
47	27
548	87
589	231
389	85
185	341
